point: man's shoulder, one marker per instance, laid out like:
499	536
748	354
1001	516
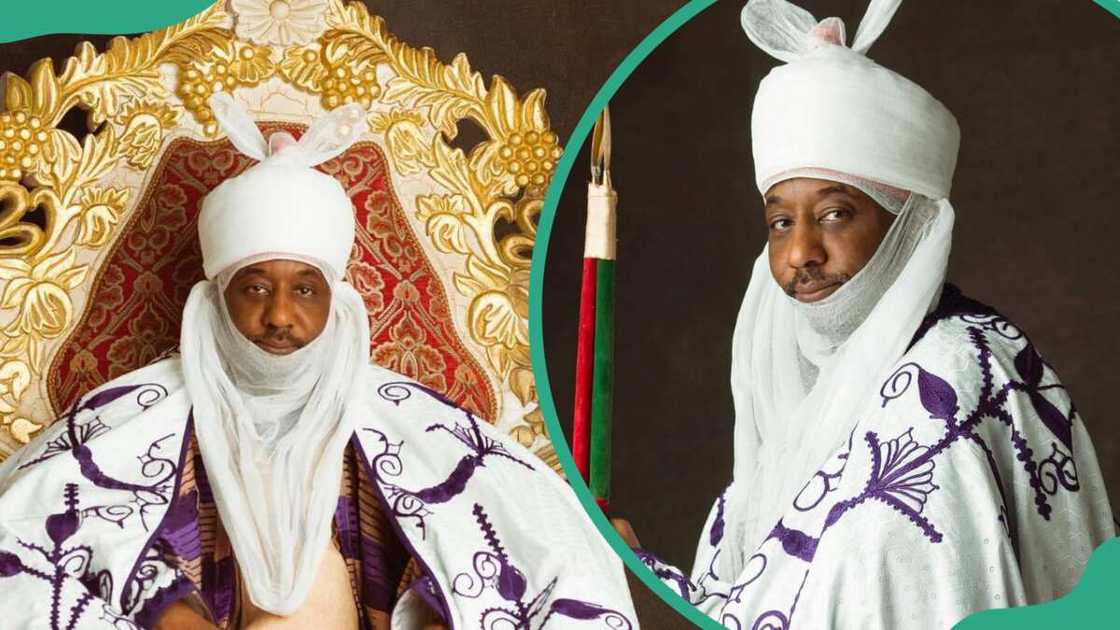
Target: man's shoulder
963	327
166	373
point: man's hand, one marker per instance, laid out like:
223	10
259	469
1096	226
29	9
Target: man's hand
624	529
180	616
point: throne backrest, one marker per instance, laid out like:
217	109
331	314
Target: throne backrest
98	246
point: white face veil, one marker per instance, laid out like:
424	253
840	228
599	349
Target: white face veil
272	429
803	375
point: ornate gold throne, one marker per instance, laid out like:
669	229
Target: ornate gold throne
98	248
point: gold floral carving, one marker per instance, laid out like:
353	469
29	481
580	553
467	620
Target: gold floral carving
54	204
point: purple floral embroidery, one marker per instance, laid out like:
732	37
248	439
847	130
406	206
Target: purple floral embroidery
67	563
75	433
493	570
414	504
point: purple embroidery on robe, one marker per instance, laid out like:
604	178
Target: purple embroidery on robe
716	533
1058	469
177	533
794	542
73	433
493	569
1029	366
771	620
67	563
903	470
414	504
935	394
665	572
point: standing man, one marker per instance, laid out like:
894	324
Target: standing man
903	455
269	477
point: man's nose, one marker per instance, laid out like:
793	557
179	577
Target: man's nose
806	248
279	312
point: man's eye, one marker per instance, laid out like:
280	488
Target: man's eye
256	289
780	224
305	291
835	214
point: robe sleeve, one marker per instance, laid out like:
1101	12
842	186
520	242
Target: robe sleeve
37	599
89	533
1008	515
55	573
876	568
706	589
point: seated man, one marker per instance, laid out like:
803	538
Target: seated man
903	455
269	477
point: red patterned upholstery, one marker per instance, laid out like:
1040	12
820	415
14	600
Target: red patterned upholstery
133	314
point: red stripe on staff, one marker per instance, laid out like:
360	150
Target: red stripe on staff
585	355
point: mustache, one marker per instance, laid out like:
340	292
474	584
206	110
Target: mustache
813	276
279	337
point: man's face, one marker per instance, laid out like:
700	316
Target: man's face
821	233
280	305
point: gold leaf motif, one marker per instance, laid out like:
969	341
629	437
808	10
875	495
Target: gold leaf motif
249	65
523	384
22	429
14	379
145	123
18	237
100	212
495	321
405	143
303	68
547	454
41	296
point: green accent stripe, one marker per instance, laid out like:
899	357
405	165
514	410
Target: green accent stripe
23	19
1091	604
602	383
1112	6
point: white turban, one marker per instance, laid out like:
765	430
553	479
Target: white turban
272	429
280	205
803	375
831	107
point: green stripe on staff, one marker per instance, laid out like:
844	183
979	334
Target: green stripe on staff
603	382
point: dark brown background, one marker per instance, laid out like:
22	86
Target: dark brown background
1033	84
567	47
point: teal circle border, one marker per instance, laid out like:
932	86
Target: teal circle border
536	293
25	19
1078	606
